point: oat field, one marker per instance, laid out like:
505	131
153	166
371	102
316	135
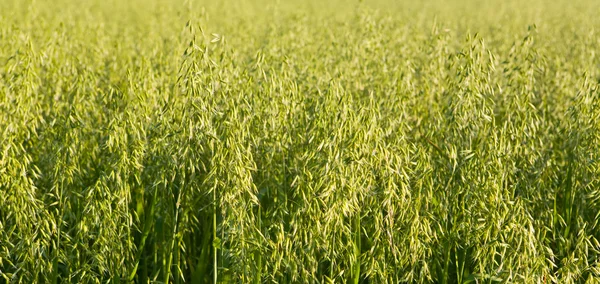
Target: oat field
301	141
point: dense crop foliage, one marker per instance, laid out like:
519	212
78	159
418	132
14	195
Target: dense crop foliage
299	142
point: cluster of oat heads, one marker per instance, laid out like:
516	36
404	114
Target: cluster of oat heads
155	141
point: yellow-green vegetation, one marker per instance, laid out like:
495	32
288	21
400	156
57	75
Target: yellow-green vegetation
307	141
